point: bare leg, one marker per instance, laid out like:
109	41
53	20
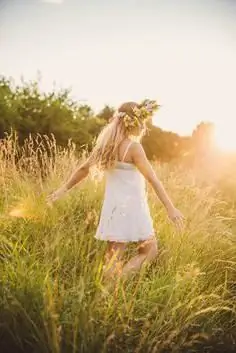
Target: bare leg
147	252
113	258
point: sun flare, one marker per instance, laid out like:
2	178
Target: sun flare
19	212
22	211
225	139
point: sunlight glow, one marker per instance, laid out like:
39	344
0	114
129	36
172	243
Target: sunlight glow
18	212
225	138
21	212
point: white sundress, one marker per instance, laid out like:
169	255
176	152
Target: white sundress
125	215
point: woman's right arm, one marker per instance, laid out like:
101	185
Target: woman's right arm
142	163
77	176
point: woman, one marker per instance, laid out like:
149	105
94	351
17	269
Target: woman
125	215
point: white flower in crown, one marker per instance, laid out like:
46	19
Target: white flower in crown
149	107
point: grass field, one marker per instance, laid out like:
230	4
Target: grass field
52	298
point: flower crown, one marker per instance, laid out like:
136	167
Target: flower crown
140	113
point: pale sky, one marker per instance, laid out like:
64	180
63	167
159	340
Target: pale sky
182	53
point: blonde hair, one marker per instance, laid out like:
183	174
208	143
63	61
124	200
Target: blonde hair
106	150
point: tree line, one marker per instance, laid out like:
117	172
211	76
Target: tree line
27	110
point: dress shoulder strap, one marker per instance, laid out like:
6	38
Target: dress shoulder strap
126	151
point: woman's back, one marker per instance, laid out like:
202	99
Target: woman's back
124	179
125	214
124	152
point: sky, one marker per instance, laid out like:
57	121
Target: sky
180	52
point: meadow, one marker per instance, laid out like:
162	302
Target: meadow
52	296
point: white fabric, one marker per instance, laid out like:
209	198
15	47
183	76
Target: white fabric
125	215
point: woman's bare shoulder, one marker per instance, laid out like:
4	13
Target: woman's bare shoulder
137	148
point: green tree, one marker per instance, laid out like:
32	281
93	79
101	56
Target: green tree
27	110
106	113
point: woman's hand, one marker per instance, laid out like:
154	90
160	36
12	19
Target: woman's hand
56	195
176	217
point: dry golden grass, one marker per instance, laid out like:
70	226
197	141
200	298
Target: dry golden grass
52	295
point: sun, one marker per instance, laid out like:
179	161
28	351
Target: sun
225	138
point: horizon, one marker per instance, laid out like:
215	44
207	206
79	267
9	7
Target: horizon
182	55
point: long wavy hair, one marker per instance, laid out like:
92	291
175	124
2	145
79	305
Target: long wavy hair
106	150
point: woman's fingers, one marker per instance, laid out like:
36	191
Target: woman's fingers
50	199
179	222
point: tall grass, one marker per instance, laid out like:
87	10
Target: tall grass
52	298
